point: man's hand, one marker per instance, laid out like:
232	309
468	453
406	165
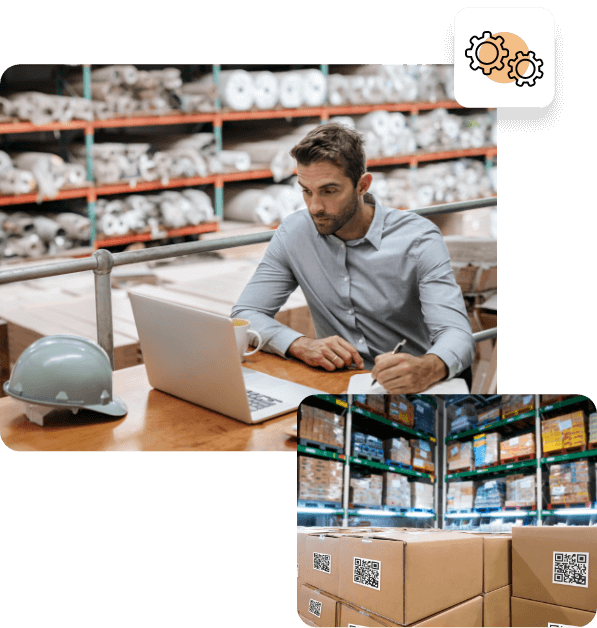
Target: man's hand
330	353
404	373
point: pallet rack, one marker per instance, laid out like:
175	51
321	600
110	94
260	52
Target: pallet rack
217	118
343	404
540	514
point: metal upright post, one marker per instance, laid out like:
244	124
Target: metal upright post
444	464
347	453
103	302
539	450
217	129
89	153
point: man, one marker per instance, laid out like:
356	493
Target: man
372	276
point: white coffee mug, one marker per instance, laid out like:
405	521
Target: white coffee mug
242	332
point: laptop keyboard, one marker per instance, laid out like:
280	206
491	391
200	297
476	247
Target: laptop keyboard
257	401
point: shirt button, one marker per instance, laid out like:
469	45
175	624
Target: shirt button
345	278
351	311
342	244
361	341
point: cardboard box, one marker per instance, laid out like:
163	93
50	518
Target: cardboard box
320	480
522	445
302	561
520	490
469	613
321	426
497	560
448	563
496	607
401	410
317	606
564	432
531	613
541	562
307	621
460	456
353	616
396	490
323	561
461	495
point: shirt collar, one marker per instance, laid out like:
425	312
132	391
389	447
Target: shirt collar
375	231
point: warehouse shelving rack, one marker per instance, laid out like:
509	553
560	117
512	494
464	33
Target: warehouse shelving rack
344	404
540	515
91	192
102	261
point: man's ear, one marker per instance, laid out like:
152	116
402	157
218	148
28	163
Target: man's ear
364	183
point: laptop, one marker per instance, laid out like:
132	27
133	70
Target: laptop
192	354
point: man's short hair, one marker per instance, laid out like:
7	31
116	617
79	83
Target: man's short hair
336	143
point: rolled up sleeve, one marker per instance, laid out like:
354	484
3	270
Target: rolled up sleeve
264	295
442	304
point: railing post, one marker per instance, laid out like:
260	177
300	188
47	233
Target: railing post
103	302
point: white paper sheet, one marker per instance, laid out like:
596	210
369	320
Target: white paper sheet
361	384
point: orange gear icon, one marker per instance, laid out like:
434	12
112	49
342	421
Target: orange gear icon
497	62
531	58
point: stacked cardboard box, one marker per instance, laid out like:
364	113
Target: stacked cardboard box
491	494
367	446
486	449
517	446
401	410
489	415
397	450
569	483
320	480
461	495
520	491
593	427
370	567
548	399
421	495
554	575
564	432
374	403
462	417
513	405
396	490
366	490
421	455
460	456
374	568
321	426
424	416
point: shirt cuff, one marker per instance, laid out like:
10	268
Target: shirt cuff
282	340
450	359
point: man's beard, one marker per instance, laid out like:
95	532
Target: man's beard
333	224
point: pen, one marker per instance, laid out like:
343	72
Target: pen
397	349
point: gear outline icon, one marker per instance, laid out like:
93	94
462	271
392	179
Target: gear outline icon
473	52
533	60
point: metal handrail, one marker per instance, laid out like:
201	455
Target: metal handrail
102	261
486	334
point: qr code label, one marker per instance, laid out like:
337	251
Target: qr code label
315	608
367	573
322	562
571	568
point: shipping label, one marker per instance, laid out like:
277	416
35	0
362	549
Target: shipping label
571	568
315	608
367	573
322	562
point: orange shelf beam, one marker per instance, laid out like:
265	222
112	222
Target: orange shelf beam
29	127
207	227
145	186
21	199
185	118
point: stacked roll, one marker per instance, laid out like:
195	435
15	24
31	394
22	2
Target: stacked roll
261	203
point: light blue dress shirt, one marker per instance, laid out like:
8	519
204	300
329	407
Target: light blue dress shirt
394	283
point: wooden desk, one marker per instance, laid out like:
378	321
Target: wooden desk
159	422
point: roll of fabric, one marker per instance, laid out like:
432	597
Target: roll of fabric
250	205
47	169
289	199
30	245
76	174
338	87
290	90
17	181
116	74
239	160
266	90
46	228
76	226
314	87
5	162
346	120
202	202
372	144
380	122
397	122
237	90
